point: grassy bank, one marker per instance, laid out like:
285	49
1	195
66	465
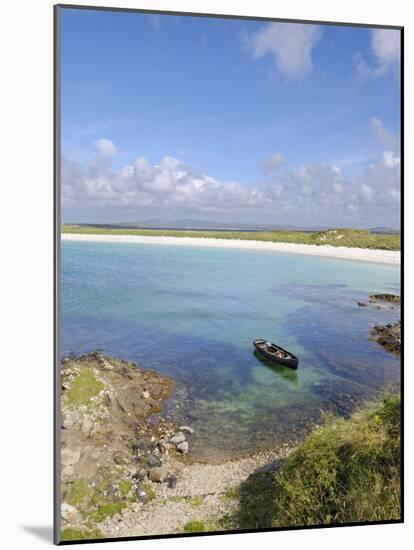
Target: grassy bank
346	471
335	237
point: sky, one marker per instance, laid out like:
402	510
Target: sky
236	121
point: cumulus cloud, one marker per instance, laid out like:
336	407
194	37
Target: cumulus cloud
171	184
385	47
309	191
106	147
290	45
272	164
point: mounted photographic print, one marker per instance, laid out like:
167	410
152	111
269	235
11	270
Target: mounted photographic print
228	280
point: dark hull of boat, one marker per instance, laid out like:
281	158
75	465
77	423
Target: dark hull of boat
291	361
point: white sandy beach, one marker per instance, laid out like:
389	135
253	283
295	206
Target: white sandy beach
360	254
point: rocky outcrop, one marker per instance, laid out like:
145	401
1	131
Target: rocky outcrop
389	336
114	445
388	298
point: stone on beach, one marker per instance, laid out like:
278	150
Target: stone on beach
183	447
70	514
158	474
177	438
187	429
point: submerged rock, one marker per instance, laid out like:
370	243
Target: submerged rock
390	298
389	336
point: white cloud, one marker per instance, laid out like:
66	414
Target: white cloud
290	44
272	164
170	184
309	191
385	44
390	160
106	147
385	47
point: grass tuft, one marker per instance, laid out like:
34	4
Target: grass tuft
195	526
83	388
346	471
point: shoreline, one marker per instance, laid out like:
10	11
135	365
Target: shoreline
388	257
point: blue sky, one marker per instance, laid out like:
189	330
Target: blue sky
228	120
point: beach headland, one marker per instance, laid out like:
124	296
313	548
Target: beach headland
390	257
122	458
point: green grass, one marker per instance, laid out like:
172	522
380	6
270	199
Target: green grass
149	491
77	492
83	388
195	526
339	237
77	534
125	487
347	471
107	510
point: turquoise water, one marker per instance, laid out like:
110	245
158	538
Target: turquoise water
192	313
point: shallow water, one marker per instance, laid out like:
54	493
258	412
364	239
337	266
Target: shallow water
192	313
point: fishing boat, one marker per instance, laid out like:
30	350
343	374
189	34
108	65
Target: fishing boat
275	353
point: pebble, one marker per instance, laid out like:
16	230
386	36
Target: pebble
172	482
178	438
157	474
142	495
153	461
69	513
183	447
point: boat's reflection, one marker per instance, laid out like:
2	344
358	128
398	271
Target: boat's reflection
291	375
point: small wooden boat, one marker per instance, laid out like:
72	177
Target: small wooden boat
276	354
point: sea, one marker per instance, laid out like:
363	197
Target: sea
193	313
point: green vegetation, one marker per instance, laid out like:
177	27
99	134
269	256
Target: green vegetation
256	502
195	526
77	492
193	501
149	491
83	388
231	493
346	471
125	487
107	510
334	237
77	534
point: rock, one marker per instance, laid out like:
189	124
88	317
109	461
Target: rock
142	495
69	458
161	447
70	514
87	425
67	421
187	429
390	298
172	482
153	461
183	447
140	474
143	444
145	394
362	304
177	438
157	474
389	336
